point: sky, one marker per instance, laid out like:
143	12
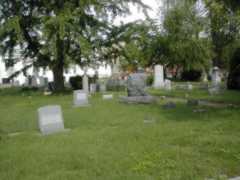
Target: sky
138	15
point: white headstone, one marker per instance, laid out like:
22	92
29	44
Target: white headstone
168	85
93	88
189	86
158	77
34	82
216	78
107	96
80	98
50	119
85	83
41	81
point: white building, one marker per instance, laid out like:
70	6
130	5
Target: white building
23	78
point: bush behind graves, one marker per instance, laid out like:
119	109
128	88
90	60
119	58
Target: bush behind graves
191	75
76	82
234	73
150	80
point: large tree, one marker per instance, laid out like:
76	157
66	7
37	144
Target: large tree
182	27
223	29
57	32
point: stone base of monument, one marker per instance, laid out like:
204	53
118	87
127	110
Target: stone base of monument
137	99
214	90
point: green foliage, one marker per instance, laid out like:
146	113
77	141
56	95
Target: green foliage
224	30
182	26
76	82
191	75
150	80
58	32
234	72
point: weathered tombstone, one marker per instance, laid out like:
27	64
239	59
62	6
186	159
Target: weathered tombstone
42	82
102	87
189	86
216	78
158	77
213	90
34	82
93	88
136	85
85	84
80	98
107	96
50	119
168	85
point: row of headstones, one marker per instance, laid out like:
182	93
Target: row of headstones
159	81
50	118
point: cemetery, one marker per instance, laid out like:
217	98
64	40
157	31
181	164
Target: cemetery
85	94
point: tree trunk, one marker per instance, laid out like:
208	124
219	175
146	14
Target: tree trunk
58	67
58	78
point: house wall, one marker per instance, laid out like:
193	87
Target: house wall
73	70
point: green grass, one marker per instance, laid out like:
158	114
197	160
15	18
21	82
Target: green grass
110	141
225	96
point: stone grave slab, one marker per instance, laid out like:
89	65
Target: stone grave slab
80	98
107	96
93	88
50	119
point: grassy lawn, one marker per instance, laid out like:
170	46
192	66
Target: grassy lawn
225	96
111	141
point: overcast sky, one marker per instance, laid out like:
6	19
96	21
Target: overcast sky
137	15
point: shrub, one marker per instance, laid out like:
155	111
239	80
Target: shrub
76	82
150	80
234	72
191	75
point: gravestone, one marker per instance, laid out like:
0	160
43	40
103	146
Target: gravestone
34	82
137	99
216	78
50	119
168	85
85	84
42	82
107	96
189	86
93	88
214	88
80	98
136	85
102	87
158	77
